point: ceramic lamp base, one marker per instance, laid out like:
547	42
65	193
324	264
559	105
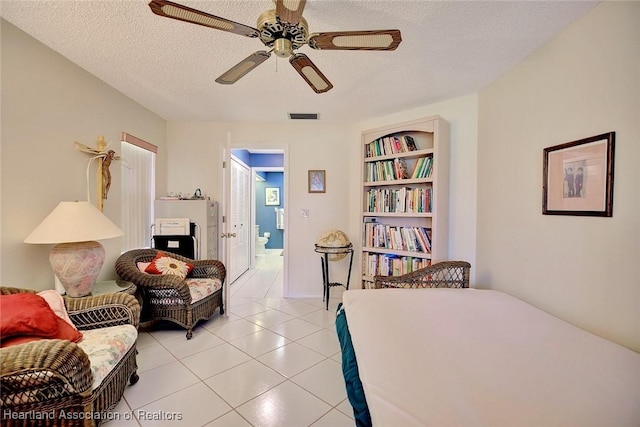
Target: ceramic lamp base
77	266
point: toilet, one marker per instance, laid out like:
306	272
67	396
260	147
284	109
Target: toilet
261	241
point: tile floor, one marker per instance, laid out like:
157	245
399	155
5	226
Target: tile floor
273	362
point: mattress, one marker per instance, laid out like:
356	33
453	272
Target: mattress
467	357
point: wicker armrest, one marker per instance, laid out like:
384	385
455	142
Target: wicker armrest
101	311
208	268
7	290
30	372
446	274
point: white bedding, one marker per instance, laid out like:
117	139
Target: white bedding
466	357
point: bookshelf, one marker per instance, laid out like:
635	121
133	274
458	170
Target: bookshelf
405	197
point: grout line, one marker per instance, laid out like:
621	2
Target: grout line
262	300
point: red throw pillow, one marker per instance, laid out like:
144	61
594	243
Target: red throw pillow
26	314
164	264
65	332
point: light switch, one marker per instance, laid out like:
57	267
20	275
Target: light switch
304	213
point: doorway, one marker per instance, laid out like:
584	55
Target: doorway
264	165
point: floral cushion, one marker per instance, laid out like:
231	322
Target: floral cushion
200	288
106	347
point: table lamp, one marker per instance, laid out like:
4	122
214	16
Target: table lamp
76	258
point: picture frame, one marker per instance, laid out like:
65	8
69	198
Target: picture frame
272	196
317	181
577	177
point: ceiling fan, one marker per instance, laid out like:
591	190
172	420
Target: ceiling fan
284	30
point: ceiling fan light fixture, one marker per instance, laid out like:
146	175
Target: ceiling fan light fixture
283	48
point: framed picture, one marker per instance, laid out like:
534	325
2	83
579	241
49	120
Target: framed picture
577	177
272	196
317	181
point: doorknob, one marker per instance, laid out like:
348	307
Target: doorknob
231	235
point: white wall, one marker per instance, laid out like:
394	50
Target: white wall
583	83
47	104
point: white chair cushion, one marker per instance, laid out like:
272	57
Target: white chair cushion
106	347
200	288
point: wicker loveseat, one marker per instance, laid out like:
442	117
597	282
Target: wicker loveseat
445	274
170	297
52	382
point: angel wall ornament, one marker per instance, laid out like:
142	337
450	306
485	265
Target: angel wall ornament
104	158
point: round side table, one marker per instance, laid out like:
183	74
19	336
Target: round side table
325	251
113	286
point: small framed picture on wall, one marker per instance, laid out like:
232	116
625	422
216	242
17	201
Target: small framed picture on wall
272	196
317	181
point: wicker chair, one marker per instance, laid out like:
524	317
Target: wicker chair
167	297
53	377
446	274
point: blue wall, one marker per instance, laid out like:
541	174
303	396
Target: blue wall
265	215
267	160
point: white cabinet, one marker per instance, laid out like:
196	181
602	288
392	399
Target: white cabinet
204	213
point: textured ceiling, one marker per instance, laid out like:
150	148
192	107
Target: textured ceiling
449	49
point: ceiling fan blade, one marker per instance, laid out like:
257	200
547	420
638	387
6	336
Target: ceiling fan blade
356	40
183	13
310	73
239	70
290	10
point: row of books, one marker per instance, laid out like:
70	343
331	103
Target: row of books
412	239
390	170
391	144
391	265
402	200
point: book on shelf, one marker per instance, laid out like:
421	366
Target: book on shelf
402	171
389	145
409	142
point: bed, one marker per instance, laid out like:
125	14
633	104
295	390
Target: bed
469	357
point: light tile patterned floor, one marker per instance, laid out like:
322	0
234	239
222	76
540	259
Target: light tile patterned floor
272	362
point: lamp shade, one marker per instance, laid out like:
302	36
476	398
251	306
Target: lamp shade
74	222
77	258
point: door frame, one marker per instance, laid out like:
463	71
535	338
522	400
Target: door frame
226	189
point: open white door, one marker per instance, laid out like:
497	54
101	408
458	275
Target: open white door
239	220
